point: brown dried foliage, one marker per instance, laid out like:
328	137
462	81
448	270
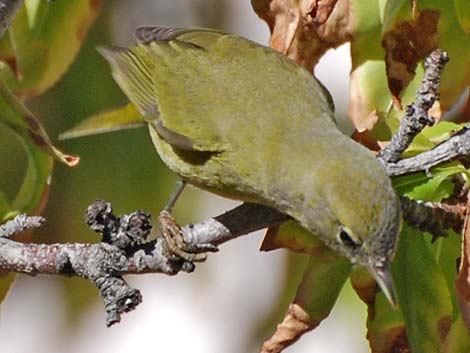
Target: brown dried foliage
295	323
304	30
392	341
405	46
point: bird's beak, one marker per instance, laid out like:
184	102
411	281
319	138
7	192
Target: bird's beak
383	276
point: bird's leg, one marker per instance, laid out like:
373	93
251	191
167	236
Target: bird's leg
173	236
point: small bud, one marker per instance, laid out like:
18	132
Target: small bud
99	216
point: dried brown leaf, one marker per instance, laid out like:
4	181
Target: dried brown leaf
366	140
295	324
406	44
305	29
392	341
364	122
436	111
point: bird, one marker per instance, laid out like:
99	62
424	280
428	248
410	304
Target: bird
243	121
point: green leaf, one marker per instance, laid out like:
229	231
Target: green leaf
34	189
4	207
408	36
403	33
126	117
462	9
33	11
368	82
432	136
441	131
420	144
321	284
386	329
393	10
291	235
24	124
369	85
446	251
47	37
406	183
423	297
452	36
8	54
323	279
385	326
434	188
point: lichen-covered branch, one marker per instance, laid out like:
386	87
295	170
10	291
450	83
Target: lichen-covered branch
416	117
432	217
455	147
123	249
20	224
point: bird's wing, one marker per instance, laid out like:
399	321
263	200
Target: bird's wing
148	34
134	75
145	72
199	87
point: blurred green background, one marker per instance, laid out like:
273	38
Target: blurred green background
233	301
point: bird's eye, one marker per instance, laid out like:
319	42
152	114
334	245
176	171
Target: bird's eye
347	239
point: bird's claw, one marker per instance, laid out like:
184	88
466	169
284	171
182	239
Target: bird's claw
173	236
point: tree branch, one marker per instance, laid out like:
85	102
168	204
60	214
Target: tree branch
123	249
432	217
457	146
416	117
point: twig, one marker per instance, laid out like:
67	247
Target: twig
432	217
455	147
416	117
19	224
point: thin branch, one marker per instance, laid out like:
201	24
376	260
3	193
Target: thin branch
432	217
19	224
242	220
457	146
416	117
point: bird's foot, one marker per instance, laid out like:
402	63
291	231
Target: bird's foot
177	247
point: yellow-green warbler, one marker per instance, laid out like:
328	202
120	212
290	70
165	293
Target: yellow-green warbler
243	121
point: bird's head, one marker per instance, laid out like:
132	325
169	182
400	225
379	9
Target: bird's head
368	234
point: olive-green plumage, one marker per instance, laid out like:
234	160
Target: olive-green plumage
243	121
